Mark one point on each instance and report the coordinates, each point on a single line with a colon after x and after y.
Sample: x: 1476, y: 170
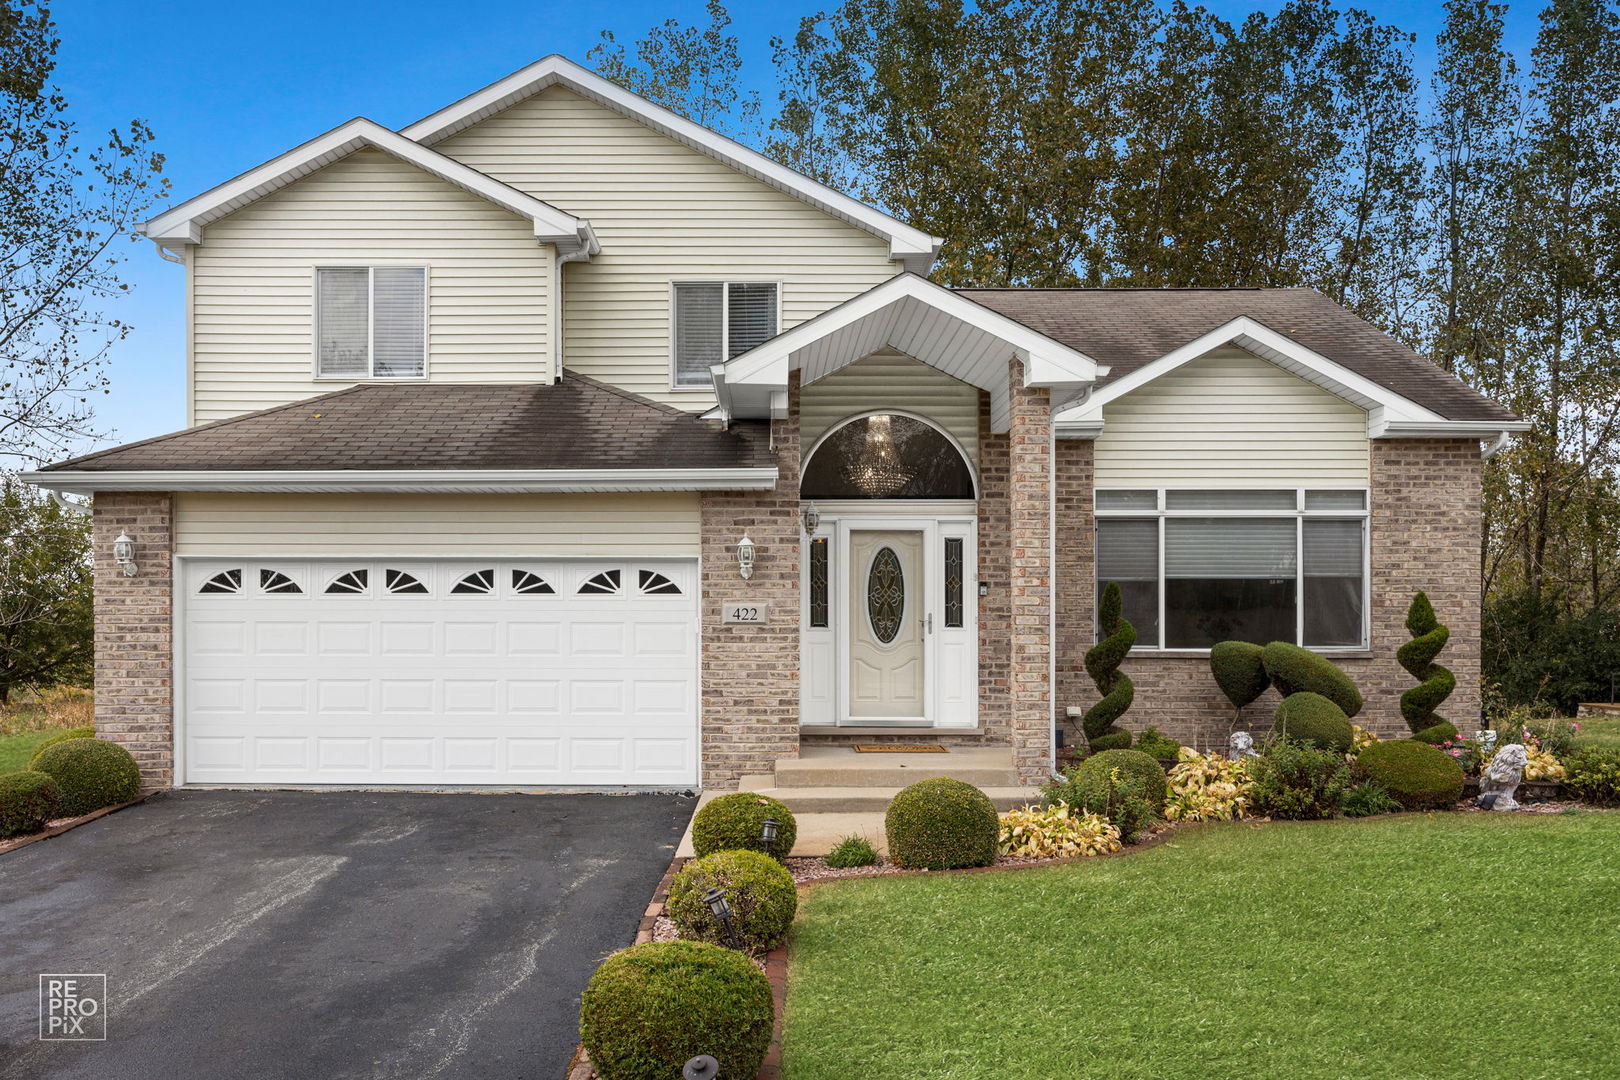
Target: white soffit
x: 185, y: 224
x: 913, y: 248
x: 940, y: 328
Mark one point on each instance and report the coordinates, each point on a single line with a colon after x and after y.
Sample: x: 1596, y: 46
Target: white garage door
x: 453, y: 672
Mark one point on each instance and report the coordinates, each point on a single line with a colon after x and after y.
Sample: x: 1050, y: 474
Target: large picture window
x: 1199, y: 567
x: 370, y: 322
x: 715, y: 321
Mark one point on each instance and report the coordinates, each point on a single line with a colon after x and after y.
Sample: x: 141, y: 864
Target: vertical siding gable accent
x: 892, y: 380
x: 252, y: 280
x: 663, y: 211
x: 1231, y: 419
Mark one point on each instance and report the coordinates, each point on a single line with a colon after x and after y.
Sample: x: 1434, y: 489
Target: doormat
x: 900, y: 748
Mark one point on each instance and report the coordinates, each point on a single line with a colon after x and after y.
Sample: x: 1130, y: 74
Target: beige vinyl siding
x: 252, y: 282
x: 890, y: 380
x: 1231, y: 419
x: 663, y: 212
x: 645, y: 525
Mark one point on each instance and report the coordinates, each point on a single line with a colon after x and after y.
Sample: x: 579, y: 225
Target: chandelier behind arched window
x: 886, y: 456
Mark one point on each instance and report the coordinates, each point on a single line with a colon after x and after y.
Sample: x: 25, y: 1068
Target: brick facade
x: 134, y: 631
x: 1425, y: 534
x: 750, y: 701
x: 1029, y: 575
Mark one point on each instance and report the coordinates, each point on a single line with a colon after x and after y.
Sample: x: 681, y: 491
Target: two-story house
x: 555, y: 440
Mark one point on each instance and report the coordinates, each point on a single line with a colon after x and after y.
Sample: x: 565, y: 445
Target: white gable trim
x: 185, y: 224
x: 83, y: 482
x: 1389, y: 414
x: 938, y: 327
x: 914, y: 248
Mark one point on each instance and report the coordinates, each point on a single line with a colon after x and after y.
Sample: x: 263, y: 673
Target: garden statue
x: 1241, y: 745
x: 1502, y: 777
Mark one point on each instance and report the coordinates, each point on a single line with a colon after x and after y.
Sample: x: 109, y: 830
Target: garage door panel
x: 441, y: 686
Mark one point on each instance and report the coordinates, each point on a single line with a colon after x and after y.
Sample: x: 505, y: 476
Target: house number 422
x: 745, y: 613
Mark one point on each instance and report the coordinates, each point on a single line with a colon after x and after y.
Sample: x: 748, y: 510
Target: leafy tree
x: 688, y: 69
x: 46, y: 618
x: 63, y: 210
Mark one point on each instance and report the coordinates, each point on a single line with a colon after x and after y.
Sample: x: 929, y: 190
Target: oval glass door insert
x: 885, y: 595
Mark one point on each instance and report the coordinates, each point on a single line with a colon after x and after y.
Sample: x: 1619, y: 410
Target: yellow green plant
x: 1362, y: 738
x: 1539, y: 766
x: 1053, y: 832
x: 1205, y: 787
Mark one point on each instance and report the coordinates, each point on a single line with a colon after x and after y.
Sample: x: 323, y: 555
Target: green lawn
x: 1599, y: 733
x: 15, y: 750
x: 1476, y: 947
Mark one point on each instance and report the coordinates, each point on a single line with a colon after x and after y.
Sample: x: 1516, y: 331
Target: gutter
x: 85, y: 482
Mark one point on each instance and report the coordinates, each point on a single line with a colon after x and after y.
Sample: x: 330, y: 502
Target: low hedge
x: 734, y: 823
x: 1313, y: 719
x: 1593, y: 774
x: 27, y: 801
x: 91, y: 773
x: 1294, y: 670
x: 1416, y: 775
x: 652, y: 1008
x: 1132, y: 763
x: 758, y: 888
x: 942, y: 824
x: 60, y: 737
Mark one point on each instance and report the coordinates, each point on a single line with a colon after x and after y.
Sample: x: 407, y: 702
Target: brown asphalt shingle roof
x: 578, y: 423
x: 1127, y: 328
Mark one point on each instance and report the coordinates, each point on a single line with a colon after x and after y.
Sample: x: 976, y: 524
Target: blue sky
x: 226, y: 87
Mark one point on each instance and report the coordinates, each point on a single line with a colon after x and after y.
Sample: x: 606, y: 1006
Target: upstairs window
x: 371, y: 322
x: 715, y: 321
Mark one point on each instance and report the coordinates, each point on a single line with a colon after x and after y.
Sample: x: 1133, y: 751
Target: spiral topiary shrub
x: 27, y: 801
x: 1239, y: 668
x: 1417, y: 776
x: 1100, y: 723
x: 1435, y: 683
x: 91, y: 773
x: 1294, y: 670
x: 61, y: 737
x: 735, y: 822
x: 652, y: 1008
x: 941, y: 824
x: 758, y: 888
x: 1314, y: 720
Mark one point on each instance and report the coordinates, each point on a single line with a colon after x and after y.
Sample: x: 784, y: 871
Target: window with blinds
x: 715, y: 321
x: 371, y: 322
x: 1258, y: 566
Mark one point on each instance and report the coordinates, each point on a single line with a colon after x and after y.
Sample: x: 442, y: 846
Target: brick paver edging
x: 68, y: 823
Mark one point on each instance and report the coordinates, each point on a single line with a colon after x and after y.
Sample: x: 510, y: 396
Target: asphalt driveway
x: 328, y: 934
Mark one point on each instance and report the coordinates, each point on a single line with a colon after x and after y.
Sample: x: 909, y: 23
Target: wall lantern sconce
x: 745, y: 557
x: 812, y: 518
x: 124, y: 554
x: 984, y: 588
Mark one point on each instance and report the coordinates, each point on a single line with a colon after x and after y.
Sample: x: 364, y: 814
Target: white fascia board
x: 1449, y: 429
x: 408, y: 480
x: 1047, y: 362
x: 912, y: 247
x: 184, y: 224
x: 1384, y: 406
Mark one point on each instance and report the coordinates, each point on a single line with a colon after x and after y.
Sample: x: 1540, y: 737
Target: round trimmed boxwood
x: 1130, y: 763
x: 1311, y: 718
x: 652, y: 1008
x: 91, y: 773
x: 1293, y: 669
x: 1416, y: 774
x: 734, y: 823
x: 27, y: 801
x: 59, y: 737
x: 942, y: 824
x: 759, y: 889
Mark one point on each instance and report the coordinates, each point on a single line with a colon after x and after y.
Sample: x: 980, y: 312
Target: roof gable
x: 914, y: 248
x: 186, y: 223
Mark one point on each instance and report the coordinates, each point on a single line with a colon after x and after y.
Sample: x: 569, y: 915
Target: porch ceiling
x: 937, y: 327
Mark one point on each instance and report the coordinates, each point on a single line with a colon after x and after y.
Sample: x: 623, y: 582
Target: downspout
x: 67, y: 504
x: 1495, y: 445
x: 587, y: 248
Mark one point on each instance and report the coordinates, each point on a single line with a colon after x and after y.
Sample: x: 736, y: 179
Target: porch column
x: 1030, y: 479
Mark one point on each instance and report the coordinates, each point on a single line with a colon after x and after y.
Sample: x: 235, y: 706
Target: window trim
x: 1299, y: 514
x: 675, y: 387
x: 371, y: 323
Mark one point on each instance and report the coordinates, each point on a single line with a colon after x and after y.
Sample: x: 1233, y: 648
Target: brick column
x: 995, y: 614
x: 1074, y: 568
x: 134, y: 631
x: 750, y: 705
x: 1029, y: 469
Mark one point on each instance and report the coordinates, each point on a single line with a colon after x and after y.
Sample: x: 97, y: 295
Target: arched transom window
x: 887, y: 456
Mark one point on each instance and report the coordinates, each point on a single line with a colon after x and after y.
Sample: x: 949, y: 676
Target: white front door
x: 889, y: 635
x: 887, y: 624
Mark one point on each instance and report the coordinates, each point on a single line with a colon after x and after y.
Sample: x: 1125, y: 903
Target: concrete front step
x: 842, y: 767
x: 866, y: 800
